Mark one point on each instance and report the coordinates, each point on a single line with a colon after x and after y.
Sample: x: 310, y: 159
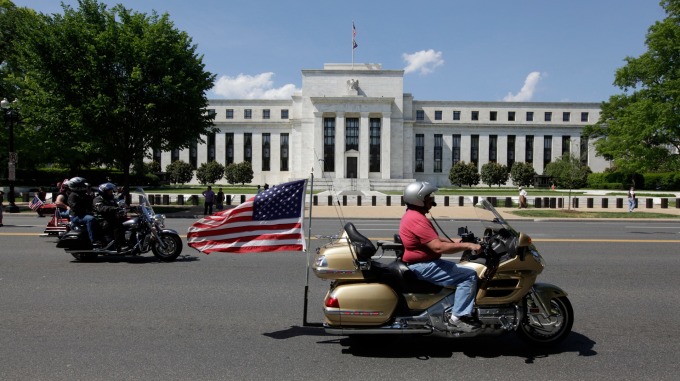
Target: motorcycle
x: 369, y: 297
x: 143, y: 232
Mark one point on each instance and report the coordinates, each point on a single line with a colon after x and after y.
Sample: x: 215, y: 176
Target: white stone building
x: 355, y: 125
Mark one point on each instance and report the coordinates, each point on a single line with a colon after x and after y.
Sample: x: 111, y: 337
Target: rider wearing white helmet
x: 423, y: 250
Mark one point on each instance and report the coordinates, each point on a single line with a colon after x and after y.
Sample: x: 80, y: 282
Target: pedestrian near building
x: 522, y: 198
x: 2, y: 207
x: 209, y: 201
x: 631, y: 199
x: 220, y: 199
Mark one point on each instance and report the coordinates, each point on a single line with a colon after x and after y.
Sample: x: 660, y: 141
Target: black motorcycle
x: 143, y: 231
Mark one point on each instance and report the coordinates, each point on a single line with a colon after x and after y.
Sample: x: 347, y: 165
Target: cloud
x: 527, y: 91
x: 259, y: 86
x: 424, y: 61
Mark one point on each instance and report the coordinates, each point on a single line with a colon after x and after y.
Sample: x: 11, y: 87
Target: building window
x: 511, y: 116
x: 566, y: 116
x: 229, y: 148
x: 266, y: 151
x: 248, y: 114
x: 284, y: 114
x: 211, y: 113
x: 547, y: 149
x: 157, y: 156
x: 420, y: 115
x: 493, y: 148
x: 456, y: 115
x: 530, y: 116
x: 351, y: 134
x: 474, y: 149
x: 584, y: 117
x: 529, y: 149
x: 174, y: 155
x: 438, y: 144
x: 193, y: 154
x: 266, y: 113
x: 583, y: 148
x: 248, y: 147
x: 511, y: 151
x: 374, y: 145
x: 211, y: 147
x: 230, y: 113
x: 566, y: 145
x: 420, y: 153
x: 455, y: 149
x: 284, y: 152
x: 329, y: 144
x: 548, y: 116
x: 493, y: 115
x: 437, y: 115
x: 475, y: 115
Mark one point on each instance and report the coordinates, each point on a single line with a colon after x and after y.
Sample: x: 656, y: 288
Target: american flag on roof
x: 270, y: 221
x: 35, y: 204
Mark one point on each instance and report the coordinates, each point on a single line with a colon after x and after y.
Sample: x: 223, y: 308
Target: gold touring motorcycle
x: 372, y: 297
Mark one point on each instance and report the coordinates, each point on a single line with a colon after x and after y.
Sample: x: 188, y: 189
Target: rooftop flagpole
x: 354, y: 42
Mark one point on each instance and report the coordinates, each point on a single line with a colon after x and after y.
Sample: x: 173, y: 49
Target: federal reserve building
x: 353, y: 126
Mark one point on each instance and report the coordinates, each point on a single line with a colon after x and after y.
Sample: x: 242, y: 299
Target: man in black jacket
x: 107, y: 207
x: 80, y: 207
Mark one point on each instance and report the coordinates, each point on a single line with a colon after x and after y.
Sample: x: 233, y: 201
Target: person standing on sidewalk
x: 209, y: 200
x: 522, y: 198
x: 220, y: 199
x: 2, y: 198
x: 631, y: 199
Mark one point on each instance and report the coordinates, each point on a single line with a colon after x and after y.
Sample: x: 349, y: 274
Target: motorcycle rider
x: 80, y: 206
x: 107, y: 207
x: 423, y: 250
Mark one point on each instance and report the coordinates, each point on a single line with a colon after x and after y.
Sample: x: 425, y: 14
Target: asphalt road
x: 239, y: 317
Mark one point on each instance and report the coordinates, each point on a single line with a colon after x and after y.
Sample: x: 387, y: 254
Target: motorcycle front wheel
x: 169, y: 247
x: 545, y: 332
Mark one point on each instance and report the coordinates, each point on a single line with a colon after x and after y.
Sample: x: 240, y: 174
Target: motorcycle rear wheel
x: 552, y: 332
x: 172, y: 250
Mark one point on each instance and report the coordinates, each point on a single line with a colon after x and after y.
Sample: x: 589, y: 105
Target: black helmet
x: 77, y: 184
x: 415, y: 193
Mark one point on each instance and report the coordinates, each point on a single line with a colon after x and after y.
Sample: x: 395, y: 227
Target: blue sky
x: 451, y: 50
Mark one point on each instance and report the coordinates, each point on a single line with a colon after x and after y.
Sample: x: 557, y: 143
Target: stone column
x: 363, y: 146
x: 339, y: 145
x: 385, y: 147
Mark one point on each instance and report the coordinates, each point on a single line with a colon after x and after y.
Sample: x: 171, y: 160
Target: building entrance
x: 351, y: 168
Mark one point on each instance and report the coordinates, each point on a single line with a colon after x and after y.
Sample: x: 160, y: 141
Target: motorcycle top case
x: 335, y: 261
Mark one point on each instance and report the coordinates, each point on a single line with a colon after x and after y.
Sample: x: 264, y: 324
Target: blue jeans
x: 90, y: 224
x: 631, y: 204
x: 448, y: 274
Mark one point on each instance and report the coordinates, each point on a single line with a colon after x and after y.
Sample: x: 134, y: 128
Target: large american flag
x: 269, y: 221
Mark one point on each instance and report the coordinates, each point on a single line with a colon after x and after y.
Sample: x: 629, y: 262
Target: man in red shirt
x: 423, y: 250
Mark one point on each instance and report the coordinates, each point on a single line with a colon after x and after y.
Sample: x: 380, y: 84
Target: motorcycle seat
x: 409, y: 282
x: 363, y: 247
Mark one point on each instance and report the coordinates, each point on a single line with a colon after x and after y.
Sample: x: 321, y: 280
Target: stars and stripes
x: 35, y: 204
x: 270, y: 221
x: 354, y: 35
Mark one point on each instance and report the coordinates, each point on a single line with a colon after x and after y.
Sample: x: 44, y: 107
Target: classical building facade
x: 354, y: 125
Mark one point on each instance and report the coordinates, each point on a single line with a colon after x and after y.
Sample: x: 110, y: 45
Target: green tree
x: 637, y: 128
x: 522, y: 174
x: 112, y: 84
x: 464, y: 174
x: 244, y: 172
x: 230, y: 173
x: 568, y: 173
x: 494, y: 173
x: 180, y: 172
x: 210, y: 172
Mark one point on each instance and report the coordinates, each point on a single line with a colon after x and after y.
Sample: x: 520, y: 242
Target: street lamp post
x: 10, y: 118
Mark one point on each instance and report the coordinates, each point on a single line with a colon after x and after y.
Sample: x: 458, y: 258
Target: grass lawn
x: 564, y: 213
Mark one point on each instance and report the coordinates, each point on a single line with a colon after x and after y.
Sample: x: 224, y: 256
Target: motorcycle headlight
x: 160, y: 219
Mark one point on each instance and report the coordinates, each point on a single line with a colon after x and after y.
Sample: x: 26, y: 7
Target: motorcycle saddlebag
x: 359, y: 304
x: 74, y: 240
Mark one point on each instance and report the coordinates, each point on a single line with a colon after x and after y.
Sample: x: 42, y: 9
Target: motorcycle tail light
x: 332, y: 302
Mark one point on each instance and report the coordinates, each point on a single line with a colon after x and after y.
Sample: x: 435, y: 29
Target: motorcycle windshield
x: 139, y: 197
x: 489, y: 216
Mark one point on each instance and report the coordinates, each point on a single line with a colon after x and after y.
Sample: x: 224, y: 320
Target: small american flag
x: 35, y: 204
x: 269, y: 221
